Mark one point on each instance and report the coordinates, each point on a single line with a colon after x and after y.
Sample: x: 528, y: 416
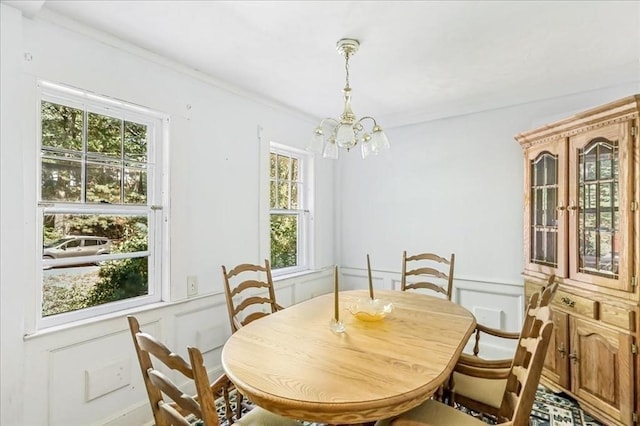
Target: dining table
x: 292, y: 363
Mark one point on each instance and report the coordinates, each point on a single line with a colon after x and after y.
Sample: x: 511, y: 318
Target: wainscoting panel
x: 92, y: 379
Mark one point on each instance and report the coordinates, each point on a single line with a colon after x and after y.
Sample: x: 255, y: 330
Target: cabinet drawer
x: 572, y: 303
x: 621, y: 316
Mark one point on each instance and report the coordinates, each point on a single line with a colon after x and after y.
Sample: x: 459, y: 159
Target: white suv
x: 76, y: 245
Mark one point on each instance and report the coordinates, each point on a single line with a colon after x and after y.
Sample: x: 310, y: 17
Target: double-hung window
x: 100, y: 216
x: 289, y: 194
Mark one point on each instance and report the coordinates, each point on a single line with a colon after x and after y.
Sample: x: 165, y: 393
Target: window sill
x: 297, y: 274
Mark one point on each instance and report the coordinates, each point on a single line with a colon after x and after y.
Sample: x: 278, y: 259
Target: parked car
x: 76, y: 245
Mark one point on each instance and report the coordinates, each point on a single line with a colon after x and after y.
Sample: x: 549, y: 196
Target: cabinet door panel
x: 556, y: 362
x: 600, y: 185
x: 545, y: 197
x: 602, y: 369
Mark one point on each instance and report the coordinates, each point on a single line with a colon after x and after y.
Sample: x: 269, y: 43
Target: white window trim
x: 306, y: 241
x: 157, y: 207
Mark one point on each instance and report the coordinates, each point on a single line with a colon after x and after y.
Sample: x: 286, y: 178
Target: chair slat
x: 247, y: 285
x: 183, y: 400
x: 245, y: 267
x: 428, y: 256
x: 427, y: 271
x: 174, y: 361
x: 251, y: 301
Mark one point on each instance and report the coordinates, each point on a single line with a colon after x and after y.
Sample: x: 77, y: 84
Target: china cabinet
x: 582, y: 223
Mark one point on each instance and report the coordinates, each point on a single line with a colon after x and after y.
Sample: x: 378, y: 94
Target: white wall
x: 215, y: 190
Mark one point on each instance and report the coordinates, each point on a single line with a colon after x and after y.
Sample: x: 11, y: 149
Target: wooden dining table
x: 292, y: 364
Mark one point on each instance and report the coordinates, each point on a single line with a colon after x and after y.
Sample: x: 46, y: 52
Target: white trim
x: 304, y: 212
x: 157, y: 192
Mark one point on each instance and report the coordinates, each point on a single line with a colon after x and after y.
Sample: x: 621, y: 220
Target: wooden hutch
x: 582, y: 223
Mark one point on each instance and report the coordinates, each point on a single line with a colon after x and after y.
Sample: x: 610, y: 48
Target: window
x: 289, y: 196
x: 99, y: 211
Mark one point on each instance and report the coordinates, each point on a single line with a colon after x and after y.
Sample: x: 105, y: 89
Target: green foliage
x: 126, y: 278
x: 284, y: 241
x: 57, y: 300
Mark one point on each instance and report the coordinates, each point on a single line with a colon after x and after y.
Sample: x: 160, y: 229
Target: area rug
x: 558, y: 410
x: 549, y: 409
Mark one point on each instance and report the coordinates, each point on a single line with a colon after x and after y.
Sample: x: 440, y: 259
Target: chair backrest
x: 158, y: 385
x: 526, y: 367
x: 424, y: 273
x: 203, y: 406
x: 539, y: 300
x: 244, y: 278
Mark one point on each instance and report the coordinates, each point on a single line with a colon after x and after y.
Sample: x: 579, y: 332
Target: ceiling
x: 418, y: 60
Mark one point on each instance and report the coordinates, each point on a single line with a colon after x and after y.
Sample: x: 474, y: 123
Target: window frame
x: 155, y: 209
x: 304, y: 210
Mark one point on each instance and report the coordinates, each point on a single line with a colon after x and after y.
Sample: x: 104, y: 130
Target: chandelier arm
x: 328, y: 119
x: 367, y: 117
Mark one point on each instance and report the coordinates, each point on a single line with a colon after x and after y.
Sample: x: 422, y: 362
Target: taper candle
x: 370, y: 280
x: 335, y: 294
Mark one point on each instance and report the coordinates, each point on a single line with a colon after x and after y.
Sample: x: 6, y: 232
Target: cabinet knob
x: 573, y: 357
x: 572, y: 208
x: 570, y: 303
x: 560, y: 209
x: 561, y: 350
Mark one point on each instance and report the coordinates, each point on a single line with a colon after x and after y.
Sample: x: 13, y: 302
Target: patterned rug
x: 549, y: 409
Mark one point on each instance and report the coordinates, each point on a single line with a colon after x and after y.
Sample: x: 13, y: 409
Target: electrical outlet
x: 192, y: 285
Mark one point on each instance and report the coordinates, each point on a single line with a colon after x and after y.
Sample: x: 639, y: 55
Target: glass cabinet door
x: 545, y: 235
x: 601, y: 173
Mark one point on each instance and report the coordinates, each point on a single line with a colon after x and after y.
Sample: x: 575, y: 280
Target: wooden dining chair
x: 427, y: 268
x: 476, y: 382
x: 518, y: 393
x: 184, y: 407
x: 242, y: 283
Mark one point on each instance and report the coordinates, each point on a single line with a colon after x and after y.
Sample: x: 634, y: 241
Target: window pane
x: 115, y: 233
x: 135, y: 186
x: 272, y: 167
x: 294, y: 169
x: 283, y: 195
x: 104, y: 135
x: 294, y: 196
x: 550, y: 210
x: 61, y: 126
x: 61, y: 180
x: 103, y: 184
x: 78, y: 283
x: 283, y: 167
x: 284, y: 240
x: 135, y: 141
x: 606, y: 157
x: 273, y: 194
x: 72, y: 288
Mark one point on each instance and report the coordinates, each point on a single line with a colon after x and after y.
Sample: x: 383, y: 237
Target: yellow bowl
x: 370, y: 310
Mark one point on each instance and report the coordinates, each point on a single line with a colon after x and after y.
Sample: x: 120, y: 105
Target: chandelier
x: 347, y: 132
